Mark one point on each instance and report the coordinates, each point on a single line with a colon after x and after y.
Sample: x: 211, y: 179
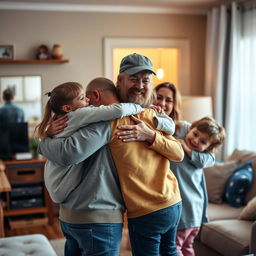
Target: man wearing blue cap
x: 149, y: 189
x: 134, y: 81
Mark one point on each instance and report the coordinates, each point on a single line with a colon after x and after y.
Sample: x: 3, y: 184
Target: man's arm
x: 87, y: 115
x: 168, y: 146
x: 78, y: 147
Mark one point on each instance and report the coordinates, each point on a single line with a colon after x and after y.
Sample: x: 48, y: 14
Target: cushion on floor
x: 36, y: 244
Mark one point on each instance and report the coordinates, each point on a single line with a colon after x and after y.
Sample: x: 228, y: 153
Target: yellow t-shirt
x: 146, y: 181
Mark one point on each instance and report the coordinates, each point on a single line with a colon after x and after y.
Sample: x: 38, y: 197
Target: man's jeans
x: 154, y: 234
x: 92, y: 239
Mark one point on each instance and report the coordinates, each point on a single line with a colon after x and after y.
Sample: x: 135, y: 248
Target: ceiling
x: 150, y: 6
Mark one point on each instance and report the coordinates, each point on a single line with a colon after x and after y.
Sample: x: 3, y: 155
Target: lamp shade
x: 195, y: 107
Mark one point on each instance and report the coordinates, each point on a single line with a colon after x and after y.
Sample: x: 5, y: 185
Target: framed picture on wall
x: 6, y: 52
x: 16, y: 84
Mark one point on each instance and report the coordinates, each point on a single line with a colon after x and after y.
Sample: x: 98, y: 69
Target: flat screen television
x: 13, y: 139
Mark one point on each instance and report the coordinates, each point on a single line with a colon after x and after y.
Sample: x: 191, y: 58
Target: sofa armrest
x: 253, y: 238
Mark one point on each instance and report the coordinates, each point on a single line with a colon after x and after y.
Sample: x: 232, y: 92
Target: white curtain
x: 230, y: 57
x: 247, y: 82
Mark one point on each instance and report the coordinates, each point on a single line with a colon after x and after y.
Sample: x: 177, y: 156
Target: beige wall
x: 81, y: 35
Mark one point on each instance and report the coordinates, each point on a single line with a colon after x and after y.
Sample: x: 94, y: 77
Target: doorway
x: 170, y: 55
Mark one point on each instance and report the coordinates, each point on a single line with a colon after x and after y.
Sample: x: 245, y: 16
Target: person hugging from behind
x: 69, y: 99
x: 199, y: 141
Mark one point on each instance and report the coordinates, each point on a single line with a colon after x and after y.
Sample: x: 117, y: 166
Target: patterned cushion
x: 238, y: 184
x: 216, y: 178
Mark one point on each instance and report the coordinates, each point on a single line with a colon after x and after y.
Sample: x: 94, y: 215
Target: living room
x: 82, y: 31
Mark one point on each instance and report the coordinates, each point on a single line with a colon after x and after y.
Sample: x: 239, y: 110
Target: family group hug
x: 116, y: 150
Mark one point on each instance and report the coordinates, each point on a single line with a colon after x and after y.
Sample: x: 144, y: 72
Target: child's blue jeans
x: 92, y: 239
x: 154, y: 234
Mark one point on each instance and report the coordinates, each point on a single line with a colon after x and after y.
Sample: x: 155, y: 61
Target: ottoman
x: 36, y: 244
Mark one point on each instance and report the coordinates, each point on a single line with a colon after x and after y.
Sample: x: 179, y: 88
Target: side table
x: 4, y: 187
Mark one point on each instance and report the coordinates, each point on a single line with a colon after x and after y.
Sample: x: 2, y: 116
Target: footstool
x: 36, y: 244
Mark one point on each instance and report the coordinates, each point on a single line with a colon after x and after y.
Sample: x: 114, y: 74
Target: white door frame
x: 183, y: 45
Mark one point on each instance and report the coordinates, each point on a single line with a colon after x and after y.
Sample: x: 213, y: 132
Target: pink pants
x: 185, y: 239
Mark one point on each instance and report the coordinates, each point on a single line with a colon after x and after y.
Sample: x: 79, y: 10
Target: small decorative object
x: 6, y: 52
x: 42, y: 52
x: 57, y: 51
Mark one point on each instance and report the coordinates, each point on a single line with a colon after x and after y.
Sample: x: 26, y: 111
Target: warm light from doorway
x: 169, y: 62
x: 160, y: 73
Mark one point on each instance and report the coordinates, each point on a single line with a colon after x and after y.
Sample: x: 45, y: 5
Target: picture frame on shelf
x: 6, y: 52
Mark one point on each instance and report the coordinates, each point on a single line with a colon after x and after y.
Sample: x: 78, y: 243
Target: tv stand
x: 28, y: 195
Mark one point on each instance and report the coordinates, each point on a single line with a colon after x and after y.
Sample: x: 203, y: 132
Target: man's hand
x: 56, y: 125
x: 138, y: 132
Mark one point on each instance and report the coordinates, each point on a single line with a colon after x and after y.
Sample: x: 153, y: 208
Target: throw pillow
x: 216, y: 178
x: 238, y: 184
x: 249, y: 211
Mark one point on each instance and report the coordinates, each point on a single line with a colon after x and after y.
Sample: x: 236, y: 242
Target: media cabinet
x: 28, y: 196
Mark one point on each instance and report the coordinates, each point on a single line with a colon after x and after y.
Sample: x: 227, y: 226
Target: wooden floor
x: 51, y: 232
x: 54, y: 232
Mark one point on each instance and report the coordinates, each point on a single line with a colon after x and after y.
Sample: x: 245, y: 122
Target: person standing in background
x: 9, y: 112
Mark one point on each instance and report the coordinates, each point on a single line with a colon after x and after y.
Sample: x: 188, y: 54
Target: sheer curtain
x: 247, y: 82
x: 230, y: 80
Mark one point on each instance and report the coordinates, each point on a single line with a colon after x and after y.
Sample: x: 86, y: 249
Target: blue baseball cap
x: 135, y: 63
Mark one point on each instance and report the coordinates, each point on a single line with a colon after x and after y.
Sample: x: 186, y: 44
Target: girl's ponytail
x: 40, y: 130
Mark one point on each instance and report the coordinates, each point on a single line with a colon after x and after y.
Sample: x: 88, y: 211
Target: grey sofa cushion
x: 223, y: 211
x: 227, y: 237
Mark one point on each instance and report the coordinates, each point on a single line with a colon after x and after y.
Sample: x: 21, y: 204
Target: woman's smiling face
x: 165, y: 100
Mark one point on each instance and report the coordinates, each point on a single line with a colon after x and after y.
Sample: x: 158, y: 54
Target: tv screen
x: 13, y: 139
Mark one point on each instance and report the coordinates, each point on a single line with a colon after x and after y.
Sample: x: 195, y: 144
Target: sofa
x: 231, y: 231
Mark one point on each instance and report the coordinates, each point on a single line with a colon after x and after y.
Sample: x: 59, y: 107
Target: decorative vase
x: 57, y: 51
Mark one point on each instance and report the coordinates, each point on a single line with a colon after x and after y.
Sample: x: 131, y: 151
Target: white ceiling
x: 146, y: 6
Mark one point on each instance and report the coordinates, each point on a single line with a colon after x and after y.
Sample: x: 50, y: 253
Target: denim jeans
x: 154, y: 234
x: 101, y: 239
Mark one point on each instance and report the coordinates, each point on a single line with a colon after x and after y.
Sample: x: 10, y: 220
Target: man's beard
x: 137, y: 96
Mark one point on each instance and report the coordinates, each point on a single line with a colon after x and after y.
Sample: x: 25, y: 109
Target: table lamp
x: 195, y: 107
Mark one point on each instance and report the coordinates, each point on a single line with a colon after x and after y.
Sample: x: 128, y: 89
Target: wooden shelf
x: 51, y: 61
x: 25, y: 211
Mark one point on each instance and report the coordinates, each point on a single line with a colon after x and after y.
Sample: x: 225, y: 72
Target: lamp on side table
x: 4, y: 187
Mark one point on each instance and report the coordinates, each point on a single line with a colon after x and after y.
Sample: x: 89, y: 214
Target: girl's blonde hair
x: 61, y: 95
x: 210, y: 127
x: 175, y: 114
